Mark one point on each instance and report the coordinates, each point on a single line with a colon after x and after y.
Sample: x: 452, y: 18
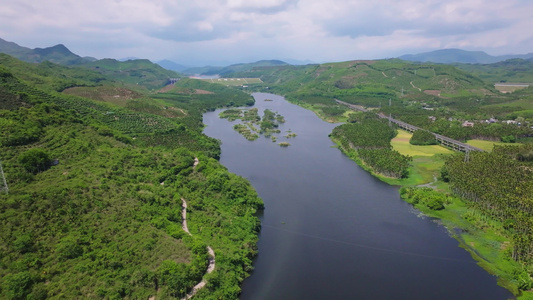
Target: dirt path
x: 414, y: 87
x: 211, y: 265
x: 211, y: 259
x: 431, y: 184
x: 384, y: 75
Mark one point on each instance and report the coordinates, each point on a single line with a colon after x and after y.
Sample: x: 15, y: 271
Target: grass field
x: 234, y: 81
x: 401, y: 144
x: 426, y: 164
x: 487, y: 145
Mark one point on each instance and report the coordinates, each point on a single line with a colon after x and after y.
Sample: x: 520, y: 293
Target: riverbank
x: 484, y: 238
x: 481, y: 236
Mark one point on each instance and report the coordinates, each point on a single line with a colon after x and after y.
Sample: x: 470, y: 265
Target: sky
x: 222, y: 32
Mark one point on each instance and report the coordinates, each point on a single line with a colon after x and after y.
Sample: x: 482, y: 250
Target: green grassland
x: 426, y: 164
x: 486, y: 145
x: 401, y: 144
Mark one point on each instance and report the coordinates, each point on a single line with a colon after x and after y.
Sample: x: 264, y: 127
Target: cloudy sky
x: 199, y: 32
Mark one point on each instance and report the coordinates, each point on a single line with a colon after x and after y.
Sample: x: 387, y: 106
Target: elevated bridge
x: 443, y: 140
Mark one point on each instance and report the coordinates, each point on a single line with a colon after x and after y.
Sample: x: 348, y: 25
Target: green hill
x: 451, y: 56
x: 210, y: 70
x: 369, y: 82
x: 513, y: 70
x: 94, y: 204
x: 58, y: 54
x: 138, y: 72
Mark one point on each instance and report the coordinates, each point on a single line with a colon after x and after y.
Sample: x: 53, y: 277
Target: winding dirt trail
x: 414, y: 87
x: 430, y: 184
x: 211, y: 259
x: 211, y: 265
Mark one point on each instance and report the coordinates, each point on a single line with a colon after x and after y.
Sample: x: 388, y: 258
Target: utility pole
x: 4, y: 187
x: 390, y: 113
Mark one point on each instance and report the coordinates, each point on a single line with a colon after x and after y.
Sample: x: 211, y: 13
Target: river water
x: 332, y: 231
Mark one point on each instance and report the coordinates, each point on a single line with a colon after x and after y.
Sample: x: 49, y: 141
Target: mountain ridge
x: 450, y: 56
x: 58, y: 54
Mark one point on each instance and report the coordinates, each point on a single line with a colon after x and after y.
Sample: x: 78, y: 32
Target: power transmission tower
x: 467, y: 155
x: 3, y: 179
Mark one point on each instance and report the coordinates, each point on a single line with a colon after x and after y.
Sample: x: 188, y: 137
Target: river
x: 330, y: 230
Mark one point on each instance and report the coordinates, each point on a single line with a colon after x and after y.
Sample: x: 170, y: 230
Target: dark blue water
x: 332, y: 231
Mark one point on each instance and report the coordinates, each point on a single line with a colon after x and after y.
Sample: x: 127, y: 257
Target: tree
x: 35, y: 160
x: 423, y: 137
x: 17, y: 286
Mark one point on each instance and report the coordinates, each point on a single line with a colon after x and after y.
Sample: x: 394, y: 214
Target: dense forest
x: 499, y: 183
x: 370, y: 138
x: 94, y: 202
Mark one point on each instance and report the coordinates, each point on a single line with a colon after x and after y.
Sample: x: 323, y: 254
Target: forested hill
x: 140, y: 72
x: 95, y: 179
x: 210, y: 70
x: 57, y: 54
x: 369, y: 82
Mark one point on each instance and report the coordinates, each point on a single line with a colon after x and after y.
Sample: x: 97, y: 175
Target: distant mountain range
x: 210, y: 70
x: 170, y: 65
x: 58, y: 54
x: 450, y: 56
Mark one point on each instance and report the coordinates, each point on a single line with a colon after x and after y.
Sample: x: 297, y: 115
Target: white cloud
x: 257, y: 29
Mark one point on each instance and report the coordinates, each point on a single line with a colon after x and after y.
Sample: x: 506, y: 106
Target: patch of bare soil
x: 202, y: 92
x: 432, y: 92
x: 166, y: 88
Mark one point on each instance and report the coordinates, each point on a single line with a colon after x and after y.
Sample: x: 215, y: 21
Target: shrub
x: 35, y: 160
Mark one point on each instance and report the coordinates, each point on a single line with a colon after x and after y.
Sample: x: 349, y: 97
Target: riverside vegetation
x: 95, y: 187
x: 488, y: 195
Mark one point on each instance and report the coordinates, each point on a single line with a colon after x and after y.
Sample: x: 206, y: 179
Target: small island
x: 252, y: 125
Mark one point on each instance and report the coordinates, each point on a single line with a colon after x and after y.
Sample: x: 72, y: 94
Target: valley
x: 98, y: 155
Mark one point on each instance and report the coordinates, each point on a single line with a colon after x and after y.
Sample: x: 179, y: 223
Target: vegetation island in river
x: 252, y: 125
